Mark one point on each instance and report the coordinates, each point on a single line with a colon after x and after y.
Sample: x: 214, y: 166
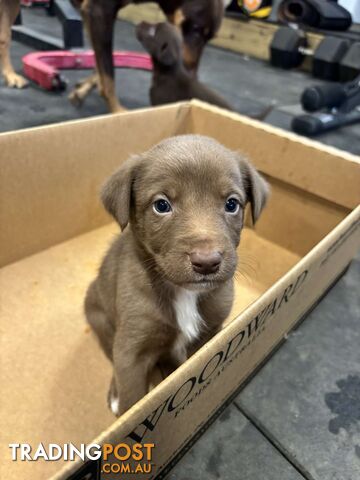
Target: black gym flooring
x: 299, y: 416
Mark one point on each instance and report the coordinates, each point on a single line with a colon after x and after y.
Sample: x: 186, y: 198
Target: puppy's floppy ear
x: 117, y: 191
x: 256, y: 188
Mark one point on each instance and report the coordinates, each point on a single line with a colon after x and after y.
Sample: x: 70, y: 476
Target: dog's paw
x: 14, y: 80
x: 113, y: 399
x: 115, y: 405
x: 82, y: 90
x: 75, y: 98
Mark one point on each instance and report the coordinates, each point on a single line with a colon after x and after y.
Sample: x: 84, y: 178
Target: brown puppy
x: 165, y: 286
x: 9, y: 10
x: 199, y: 20
x: 171, y: 81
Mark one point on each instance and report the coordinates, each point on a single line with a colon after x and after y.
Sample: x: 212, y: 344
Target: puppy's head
x: 185, y: 201
x: 162, y: 41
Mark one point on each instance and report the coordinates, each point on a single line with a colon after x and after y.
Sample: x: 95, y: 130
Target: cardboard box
x: 54, y: 232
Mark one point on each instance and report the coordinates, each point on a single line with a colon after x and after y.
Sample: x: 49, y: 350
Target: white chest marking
x: 187, y: 313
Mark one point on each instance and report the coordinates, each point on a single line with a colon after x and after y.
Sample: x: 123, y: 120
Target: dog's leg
x: 9, y: 10
x: 98, y: 321
x: 85, y: 86
x: 99, y: 18
x: 82, y: 89
x: 131, y: 372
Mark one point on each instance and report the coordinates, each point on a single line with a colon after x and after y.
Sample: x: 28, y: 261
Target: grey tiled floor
x: 233, y: 448
x: 299, y: 417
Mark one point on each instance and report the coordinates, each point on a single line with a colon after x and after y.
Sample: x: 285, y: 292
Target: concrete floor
x: 299, y: 417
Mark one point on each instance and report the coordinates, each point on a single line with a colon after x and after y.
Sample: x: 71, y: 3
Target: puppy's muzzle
x: 205, y: 262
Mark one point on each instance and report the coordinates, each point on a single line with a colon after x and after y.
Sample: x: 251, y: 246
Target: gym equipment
x: 325, y: 14
x: 349, y: 67
x: 341, y: 105
x: 326, y: 96
x: 289, y: 48
x: 43, y: 67
x: 328, y: 56
x: 71, y: 25
x: 251, y: 8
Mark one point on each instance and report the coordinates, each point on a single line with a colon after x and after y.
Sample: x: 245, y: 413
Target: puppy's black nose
x: 205, y: 262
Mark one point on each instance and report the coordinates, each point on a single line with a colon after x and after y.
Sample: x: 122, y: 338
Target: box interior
x: 54, y: 375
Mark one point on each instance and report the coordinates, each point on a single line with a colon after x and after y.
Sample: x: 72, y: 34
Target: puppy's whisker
x: 248, y: 270
x: 240, y: 275
x: 248, y: 267
x: 245, y: 268
x: 247, y: 257
x: 149, y: 262
x: 248, y: 264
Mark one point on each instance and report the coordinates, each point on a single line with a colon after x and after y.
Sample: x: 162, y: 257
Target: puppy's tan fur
x: 148, y: 305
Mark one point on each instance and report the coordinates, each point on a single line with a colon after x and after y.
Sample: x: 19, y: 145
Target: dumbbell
x: 349, y: 66
x: 319, y: 14
x: 333, y: 105
x: 289, y: 48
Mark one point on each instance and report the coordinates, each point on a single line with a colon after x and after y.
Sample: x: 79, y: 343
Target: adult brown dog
x: 166, y: 284
x: 171, y: 80
x: 9, y: 10
x: 199, y: 21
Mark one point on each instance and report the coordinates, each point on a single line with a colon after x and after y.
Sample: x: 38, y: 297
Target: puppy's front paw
x: 14, y: 80
x: 113, y: 399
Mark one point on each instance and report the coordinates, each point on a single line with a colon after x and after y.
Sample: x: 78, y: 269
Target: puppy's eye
x: 232, y: 205
x: 161, y: 206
